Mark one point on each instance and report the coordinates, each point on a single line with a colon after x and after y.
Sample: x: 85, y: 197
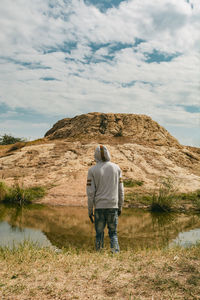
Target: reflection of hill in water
x: 69, y: 226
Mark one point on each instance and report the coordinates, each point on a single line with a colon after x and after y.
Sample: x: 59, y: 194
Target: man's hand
x: 91, y: 215
x: 119, y: 211
x: 91, y: 218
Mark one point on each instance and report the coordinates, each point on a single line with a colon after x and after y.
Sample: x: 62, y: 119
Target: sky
x: 62, y: 58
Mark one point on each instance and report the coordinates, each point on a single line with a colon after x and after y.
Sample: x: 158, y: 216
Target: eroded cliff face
x: 145, y: 151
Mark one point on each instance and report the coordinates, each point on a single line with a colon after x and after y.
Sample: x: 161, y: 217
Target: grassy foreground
x: 42, y: 273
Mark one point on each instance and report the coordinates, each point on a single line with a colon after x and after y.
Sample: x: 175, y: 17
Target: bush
x: 132, y: 182
x: 9, y: 139
x: 165, y: 198
x: 19, y: 195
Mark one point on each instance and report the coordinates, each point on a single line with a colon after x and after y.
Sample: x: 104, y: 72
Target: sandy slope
x: 62, y: 165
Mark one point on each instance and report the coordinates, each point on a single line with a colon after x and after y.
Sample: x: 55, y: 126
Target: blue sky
x: 61, y: 58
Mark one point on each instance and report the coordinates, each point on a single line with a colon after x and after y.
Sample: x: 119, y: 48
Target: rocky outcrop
x: 131, y: 127
x: 144, y: 150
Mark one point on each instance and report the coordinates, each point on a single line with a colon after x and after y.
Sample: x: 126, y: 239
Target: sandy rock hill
x: 143, y: 149
x: 131, y: 127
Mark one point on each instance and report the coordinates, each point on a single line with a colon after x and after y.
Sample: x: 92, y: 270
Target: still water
x: 70, y: 227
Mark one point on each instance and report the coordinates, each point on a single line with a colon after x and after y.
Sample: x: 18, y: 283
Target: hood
x: 101, y: 154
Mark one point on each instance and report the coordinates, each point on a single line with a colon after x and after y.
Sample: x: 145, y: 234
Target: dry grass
x: 4, y: 149
x: 7, y: 150
x: 38, y: 142
x: 17, y: 146
x: 34, y: 273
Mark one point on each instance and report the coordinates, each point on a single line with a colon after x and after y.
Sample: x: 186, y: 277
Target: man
x: 105, y: 193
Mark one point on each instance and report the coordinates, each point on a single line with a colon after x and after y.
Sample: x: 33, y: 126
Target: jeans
x: 107, y: 216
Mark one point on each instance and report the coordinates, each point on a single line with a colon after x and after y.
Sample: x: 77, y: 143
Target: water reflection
x: 11, y: 236
x: 187, y: 239
x: 70, y: 227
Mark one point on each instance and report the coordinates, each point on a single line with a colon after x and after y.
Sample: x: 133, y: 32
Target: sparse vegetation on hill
x: 17, y: 194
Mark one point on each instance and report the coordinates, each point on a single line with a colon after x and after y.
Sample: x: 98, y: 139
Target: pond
x: 62, y: 226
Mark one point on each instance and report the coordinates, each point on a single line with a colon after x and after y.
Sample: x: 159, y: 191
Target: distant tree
x: 9, y: 139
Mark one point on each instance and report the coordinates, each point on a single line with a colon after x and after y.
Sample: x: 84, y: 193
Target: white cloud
x: 87, y: 81
x: 8, y: 114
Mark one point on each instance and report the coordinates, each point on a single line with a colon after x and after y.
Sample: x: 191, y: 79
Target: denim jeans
x: 107, y: 216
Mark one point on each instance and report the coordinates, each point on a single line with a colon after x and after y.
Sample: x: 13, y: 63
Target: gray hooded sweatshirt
x: 104, y: 182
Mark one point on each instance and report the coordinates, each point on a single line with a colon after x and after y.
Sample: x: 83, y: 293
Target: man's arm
x: 121, y: 193
x: 90, y: 192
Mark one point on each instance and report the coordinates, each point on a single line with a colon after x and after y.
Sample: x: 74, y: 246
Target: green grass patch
x: 18, y: 194
x: 132, y: 182
x: 3, y: 190
x: 192, y: 197
x: 162, y: 201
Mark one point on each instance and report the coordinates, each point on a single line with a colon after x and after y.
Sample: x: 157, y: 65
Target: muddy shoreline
x: 187, y: 208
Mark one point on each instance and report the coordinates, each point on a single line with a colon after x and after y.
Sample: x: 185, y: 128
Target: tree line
x: 7, y: 139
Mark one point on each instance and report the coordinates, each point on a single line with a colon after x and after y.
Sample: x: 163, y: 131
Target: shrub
x: 162, y: 202
x: 16, y: 194
x: 35, y: 192
x: 19, y: 195
x: 164, y: 199
x: 9, y: 139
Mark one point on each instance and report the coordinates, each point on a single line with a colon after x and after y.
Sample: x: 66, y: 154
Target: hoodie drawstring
x: 102, y: 153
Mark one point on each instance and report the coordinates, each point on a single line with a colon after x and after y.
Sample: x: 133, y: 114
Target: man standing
x: 105, y: 193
